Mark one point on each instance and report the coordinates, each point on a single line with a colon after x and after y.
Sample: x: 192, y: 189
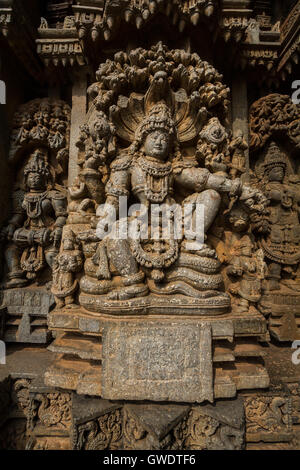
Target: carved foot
x: 71, y: 306
x: 60, y: 303
x: 204, y: 251
x: 16, y: 283
x: 241, y: 306
x: 70, y: 302
x: 130, y: 292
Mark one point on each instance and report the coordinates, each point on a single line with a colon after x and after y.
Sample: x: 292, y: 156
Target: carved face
x: 35, y: 180
x: 157, y: 144
x: 239, y: 219
x: 276, y: 174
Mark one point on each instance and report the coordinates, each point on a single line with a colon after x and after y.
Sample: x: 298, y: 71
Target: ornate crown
x: 37, y: 164
x: 159, y: 118
x: 274, y: 158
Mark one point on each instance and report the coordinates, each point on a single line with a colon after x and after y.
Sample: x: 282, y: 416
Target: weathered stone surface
x: 154, y: 125
x: 72, y: 374
x: 26, y: 315
x: 158, y: 420
x: 85, y: 348
x: 30, y: 301
x: 159, y: 362
x: 106, y: 425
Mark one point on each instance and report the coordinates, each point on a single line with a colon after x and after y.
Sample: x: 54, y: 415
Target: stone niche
x: 38, y: 211
x: 145, y: 318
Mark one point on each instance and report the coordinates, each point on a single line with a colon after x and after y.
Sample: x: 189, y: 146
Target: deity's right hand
x: 7, y: 233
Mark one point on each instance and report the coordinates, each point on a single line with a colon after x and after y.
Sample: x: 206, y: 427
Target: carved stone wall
x: 162, y: 332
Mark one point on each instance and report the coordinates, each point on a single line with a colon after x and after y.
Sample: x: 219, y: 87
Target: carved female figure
x: 68, y: 262
x: 247, y: 267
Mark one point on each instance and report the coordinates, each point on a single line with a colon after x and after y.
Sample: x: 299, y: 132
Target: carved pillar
x: 79, y: 103
x: 240, y: 112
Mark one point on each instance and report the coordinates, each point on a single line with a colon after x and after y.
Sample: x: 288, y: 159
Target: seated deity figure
x: 34, y: 231
x: 154, y: 171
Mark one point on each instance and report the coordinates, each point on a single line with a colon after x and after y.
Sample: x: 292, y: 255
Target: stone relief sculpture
x: 178, y: 107
x: 35, y: 228
x: 247, y: 268
x: 238, y: 161
x: 156, y: 145
x: 282, y: 236
x: 133, y: 428
x: 165, y: 273
x: 274, y: 123
x: 66, y: 263
x: 33, y: 232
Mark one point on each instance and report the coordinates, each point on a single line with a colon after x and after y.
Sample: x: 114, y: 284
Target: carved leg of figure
x: 274, y: 276
x: 125, y: 264
x: 210, y: 200
x: 242, y: 306
x: 60, y: 303
x: 15, y: 273
x: 69, y: 300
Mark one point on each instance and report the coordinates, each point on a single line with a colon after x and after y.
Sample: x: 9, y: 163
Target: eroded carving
x: 204, y: 432
x: 266, y: 415
x: 50, y: 410
x: 67, y: 263
x: 275, y: 136
x: 161, y: 166
x: 102, y: 434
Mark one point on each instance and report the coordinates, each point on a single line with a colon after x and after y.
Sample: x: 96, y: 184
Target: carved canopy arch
x: 274, y: 116
x: 42, y: 123
x: 130, y: 85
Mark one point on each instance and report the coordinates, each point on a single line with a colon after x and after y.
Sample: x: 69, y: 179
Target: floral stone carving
x: 157, y: 138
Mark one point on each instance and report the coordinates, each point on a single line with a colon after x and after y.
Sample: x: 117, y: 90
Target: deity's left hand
x: 56, y: 236
x: 253, y: 198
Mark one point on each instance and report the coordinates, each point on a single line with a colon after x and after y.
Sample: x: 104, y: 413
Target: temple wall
x: 121, y: 342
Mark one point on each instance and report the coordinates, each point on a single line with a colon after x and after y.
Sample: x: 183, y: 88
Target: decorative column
x: 79, y: 104
x: 240, y: 112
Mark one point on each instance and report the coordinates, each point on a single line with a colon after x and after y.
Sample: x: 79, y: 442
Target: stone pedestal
x: 166, y: 358
x: 159, y: 361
